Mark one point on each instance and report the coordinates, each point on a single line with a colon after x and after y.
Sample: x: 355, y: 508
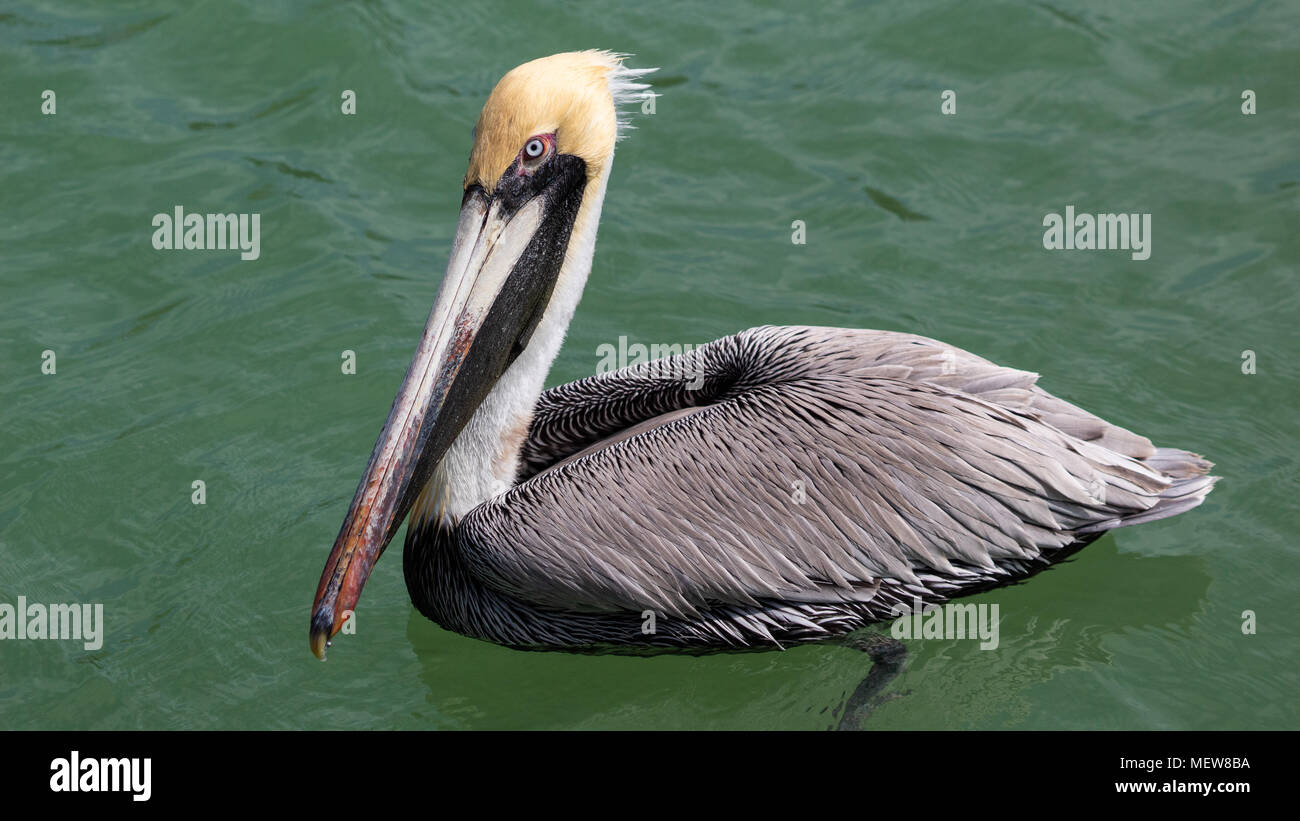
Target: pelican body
x: 780, y: 486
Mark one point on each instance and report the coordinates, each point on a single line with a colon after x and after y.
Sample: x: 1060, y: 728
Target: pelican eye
x: 534, y: 148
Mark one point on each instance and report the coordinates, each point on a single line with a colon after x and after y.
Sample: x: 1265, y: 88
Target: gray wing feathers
x: 822, y: 463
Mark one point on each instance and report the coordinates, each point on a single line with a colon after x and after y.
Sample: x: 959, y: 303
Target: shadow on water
x: 1066, y: 620
x: 1058, y: 621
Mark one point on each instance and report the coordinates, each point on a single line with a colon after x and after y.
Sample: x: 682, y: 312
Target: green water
x: 178, y: 366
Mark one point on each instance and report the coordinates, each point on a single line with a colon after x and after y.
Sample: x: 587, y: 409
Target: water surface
x: 177, y: 366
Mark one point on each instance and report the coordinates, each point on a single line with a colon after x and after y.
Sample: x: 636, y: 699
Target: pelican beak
x: 505, y: 259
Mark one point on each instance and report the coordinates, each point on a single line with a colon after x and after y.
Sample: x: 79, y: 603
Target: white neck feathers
x: 483, y: 460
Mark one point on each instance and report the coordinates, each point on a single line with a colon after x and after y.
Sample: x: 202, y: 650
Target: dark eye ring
x: 534, y: 148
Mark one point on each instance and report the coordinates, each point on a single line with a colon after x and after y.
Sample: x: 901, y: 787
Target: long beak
x: 505, y: 259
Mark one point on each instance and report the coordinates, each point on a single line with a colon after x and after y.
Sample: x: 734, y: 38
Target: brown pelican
x: 780, y: 486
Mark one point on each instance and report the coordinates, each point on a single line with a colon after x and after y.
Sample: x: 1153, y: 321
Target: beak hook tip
x: 321, y: 630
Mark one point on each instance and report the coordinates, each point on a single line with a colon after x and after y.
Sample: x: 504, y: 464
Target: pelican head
x: 531, y: 202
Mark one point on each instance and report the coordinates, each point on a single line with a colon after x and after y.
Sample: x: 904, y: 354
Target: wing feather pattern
x: 817, y: 466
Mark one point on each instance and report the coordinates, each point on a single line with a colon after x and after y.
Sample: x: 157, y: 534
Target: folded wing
x: 817, y: 465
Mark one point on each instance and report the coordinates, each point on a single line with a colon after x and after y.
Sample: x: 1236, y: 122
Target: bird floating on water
x: 557, y: 519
